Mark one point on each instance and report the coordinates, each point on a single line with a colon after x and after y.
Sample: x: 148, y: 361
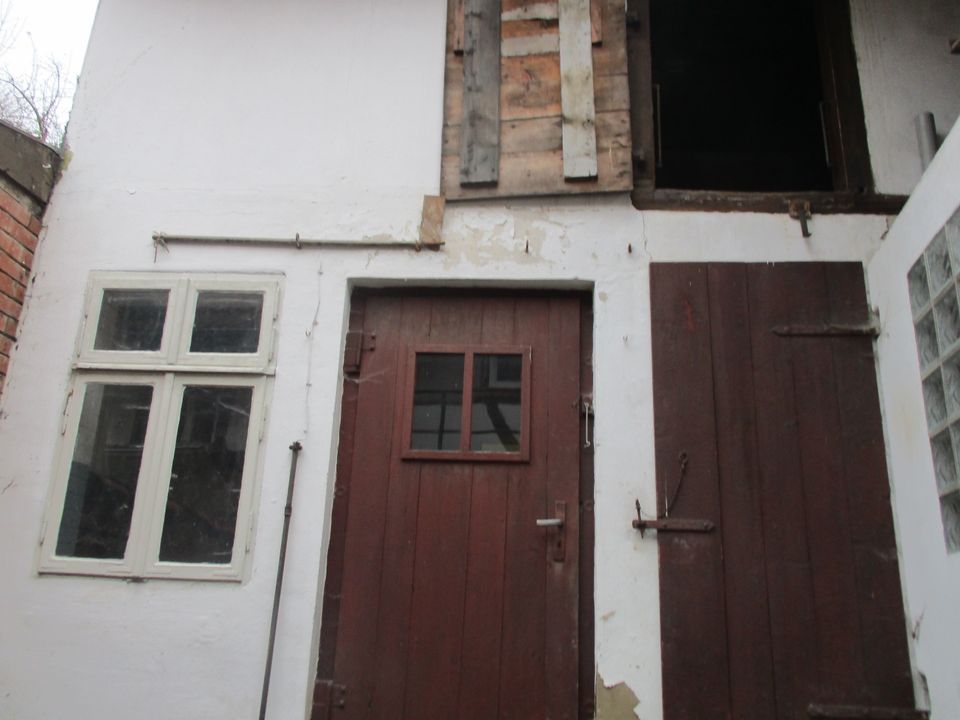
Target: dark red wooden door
x: 443, y: 597
x: 764, y: 381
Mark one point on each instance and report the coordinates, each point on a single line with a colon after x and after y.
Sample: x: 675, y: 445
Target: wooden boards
x: 480, y: 127
x: 576, y: 91
x: 794, y: 600
x: 531, y: 142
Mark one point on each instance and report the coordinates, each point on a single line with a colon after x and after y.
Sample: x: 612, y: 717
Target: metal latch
x: 800, y: 210
x: 677, y: 525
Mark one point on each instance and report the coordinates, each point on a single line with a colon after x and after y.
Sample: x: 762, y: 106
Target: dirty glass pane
x: 201, y: 512
x: 927, y: 348
x: 104, y: 471
x: 948, y: 319
x: 934, y: 400
x: 951, y: 383
x: 495, y: 421
x: 938, y: 262
x: 437, y: 402
x: 227, y: 322
x: 943, y: 461
x: 131, y: 320
x: 917, y: 282
x: 950, y: 512
x: 952, y: 231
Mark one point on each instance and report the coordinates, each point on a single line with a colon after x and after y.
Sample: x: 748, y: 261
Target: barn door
x: 454, y: 564
x: 768, y: 425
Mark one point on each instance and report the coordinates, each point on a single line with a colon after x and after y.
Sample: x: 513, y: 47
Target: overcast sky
x: 57, y: 28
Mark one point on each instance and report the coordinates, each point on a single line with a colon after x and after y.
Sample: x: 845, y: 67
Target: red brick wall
x: 18, y: 241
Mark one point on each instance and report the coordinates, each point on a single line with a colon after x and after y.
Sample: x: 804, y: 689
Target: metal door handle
x: 560, y: 536
x: 549, y: 522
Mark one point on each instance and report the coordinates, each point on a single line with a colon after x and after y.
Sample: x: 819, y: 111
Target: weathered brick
x: 13, y: 269
x: 15, y: 250
x: 35, y: 225
x: 19, y: 213
x: 18, y: 231
x: 10, y: 306
x: 4, y: 364
x: 6, y: 346
x: 11, y: 288
x: 8, y: 326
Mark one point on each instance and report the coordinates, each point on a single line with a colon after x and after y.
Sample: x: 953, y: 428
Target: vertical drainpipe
x: 926, y: 138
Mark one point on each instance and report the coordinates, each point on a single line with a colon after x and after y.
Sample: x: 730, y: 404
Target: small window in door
x: 468, y: 403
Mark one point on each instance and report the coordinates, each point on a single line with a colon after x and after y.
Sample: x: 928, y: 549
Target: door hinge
x: 863, y: 712
x: 327, y: 697
x: 357, y: 342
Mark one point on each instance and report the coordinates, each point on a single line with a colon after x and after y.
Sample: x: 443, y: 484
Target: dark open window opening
x: 750, y: 98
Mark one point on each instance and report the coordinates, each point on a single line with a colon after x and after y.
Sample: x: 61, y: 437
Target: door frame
x: 328, y: 612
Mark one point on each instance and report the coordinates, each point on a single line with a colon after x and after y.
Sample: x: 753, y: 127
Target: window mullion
x: 149, y: 504
x: 466, y: 408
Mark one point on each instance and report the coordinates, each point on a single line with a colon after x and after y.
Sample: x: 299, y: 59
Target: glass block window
x: 934, y: 284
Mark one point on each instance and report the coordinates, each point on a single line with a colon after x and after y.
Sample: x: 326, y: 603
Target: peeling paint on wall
x: 616, y: 702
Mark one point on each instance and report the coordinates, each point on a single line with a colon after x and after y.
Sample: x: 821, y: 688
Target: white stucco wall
x: 185, y: 124
x: 906, y: 68
x: 932, y: 577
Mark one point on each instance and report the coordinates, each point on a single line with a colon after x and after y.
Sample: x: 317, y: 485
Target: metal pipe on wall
x: 295, y: 449
x: 926, y: 138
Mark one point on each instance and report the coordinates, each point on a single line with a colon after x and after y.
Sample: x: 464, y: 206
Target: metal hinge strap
x: 357, y: 343
x: 863, y: 712
x: 327, y: 697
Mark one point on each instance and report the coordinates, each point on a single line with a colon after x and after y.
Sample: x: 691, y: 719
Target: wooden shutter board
x: 576, y: 91
x: 480, y: 127
x: 530, y: 90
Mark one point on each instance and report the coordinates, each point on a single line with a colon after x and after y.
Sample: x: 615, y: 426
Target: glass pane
x: 917, y: 282
x: 944, y: 465
x: 104, y: 471
x: 938, y: 262
x: 495, y: 422
x: 227, y: 322
x: 934, y: 400
x: 947, y: 315
x: 437, y: 401
x: 131, y: 320
x: 927, y: 348
x: 950, y: 512
x: 201, y: 513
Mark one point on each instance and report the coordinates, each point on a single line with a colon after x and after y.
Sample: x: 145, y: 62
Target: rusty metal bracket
x: 677, y: 525
x: 356, y: 343
x: 327, y: 697
x: 801, y: 211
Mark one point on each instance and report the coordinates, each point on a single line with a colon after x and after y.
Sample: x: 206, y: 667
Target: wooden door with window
x: 768, y: 426
x: 457, y: 545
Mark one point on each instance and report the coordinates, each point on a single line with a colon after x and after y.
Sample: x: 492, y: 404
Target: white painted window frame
x: 169, y: 371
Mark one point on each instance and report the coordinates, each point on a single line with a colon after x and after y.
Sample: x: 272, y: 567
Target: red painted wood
x: 561, y: 653
x: 809, y: 586
x: 522, y: 659
x: 587, y: 524
x: 445, y: 605
x: 693, y: 623
x: 741, y: 528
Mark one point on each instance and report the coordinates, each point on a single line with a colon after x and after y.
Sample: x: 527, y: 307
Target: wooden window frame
x: 464, y: 453
x: 169, y: 370
x: 853, y: 191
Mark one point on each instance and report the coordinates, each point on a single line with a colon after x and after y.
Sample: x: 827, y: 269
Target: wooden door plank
x: 693, y: 624
x: 773, y: 293
x: 888, y: 680
x: 363, y: 550
x: 576, y: 91
x: 480, y: 132
x: 479, y: 692
x: 330, y: 618
x: 442, y: 544
x: 562, y: 479
x: 839, y: 672
x: 399, y: 538
x: 588, y: 699
x: 522, y: 659
x: 748, y: 638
